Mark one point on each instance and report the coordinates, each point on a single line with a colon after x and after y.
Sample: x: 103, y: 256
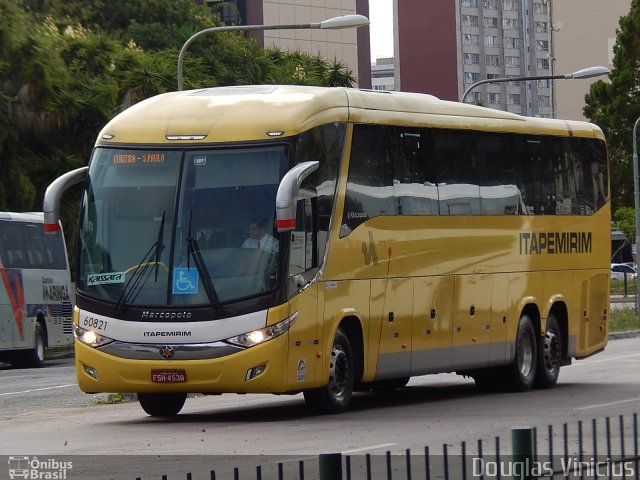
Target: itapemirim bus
x: 35, y: 290
x: 412, y: 236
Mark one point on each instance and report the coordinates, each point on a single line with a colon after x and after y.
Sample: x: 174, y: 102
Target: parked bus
x: 36, y: 291
x: 408, y: 236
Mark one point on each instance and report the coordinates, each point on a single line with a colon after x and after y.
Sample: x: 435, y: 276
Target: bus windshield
x: 184, y: 227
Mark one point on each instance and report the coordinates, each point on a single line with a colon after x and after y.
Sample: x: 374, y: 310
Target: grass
x: 623, y: 320
x: 113, y: 398
x: 618, y: 287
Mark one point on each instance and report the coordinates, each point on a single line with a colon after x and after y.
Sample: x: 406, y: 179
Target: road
x: 43, y: 413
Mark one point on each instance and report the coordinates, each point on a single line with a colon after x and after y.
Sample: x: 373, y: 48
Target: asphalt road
x: 42, y: 412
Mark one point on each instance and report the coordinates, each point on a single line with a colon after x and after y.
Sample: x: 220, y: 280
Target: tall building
x: 581, y: 41
x: 445, y: 47
x: 382, y: 74
x: 349, y: 46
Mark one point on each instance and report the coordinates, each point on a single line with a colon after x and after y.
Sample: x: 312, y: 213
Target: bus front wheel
x: 336, y: 395
x: 162, y: 404
x: 523, y: 368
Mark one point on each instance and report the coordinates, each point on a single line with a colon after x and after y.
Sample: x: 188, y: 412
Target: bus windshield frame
x: 187, y: 227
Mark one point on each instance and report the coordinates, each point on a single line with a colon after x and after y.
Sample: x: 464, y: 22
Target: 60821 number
x: 96, y: 323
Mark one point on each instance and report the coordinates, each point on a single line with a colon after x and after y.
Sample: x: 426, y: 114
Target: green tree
x: 615, y: 106
x: 624, y: 219
x: 69, y: 66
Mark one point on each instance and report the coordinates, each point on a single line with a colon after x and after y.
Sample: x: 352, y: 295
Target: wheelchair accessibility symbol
x: 185, y: 281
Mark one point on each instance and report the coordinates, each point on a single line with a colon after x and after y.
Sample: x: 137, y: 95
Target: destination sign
x: 138, y: 157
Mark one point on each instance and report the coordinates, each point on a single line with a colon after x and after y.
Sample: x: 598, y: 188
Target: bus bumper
x: 97, y: 371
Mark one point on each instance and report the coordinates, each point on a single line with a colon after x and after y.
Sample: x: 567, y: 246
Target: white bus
x: 35, y: 290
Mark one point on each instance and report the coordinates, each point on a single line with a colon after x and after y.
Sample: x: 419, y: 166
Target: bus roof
x: 244, y: 113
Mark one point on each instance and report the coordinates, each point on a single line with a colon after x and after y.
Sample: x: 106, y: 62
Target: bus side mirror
x: 51, y: 202
x: 287, y: 195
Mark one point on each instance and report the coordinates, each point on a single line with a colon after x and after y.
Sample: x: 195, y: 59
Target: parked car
x: 620, y: 270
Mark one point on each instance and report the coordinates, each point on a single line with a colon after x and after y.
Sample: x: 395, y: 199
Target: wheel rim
x: 39, y: 346
x: 551, y: 351
x: 525, y: 354
x: 339, y: 373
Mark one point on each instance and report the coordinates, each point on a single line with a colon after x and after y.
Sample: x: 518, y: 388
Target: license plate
x: 169, y: 376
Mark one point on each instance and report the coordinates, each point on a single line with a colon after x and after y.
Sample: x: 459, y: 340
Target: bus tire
x: 549, y: 355
x: 34, y: 357
x: 162, y: 404
x: 523, y: 368
x: 336, y: 395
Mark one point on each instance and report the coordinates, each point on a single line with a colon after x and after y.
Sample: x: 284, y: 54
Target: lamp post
x: 335, y: 23
x: 636, y: 190
x: 584, y: 73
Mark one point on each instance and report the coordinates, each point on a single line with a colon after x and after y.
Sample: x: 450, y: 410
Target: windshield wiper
x: 159, y: 245
x: 137, y: 280
x: 207, y: 283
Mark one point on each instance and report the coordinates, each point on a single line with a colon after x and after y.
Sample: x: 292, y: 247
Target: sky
x: 381, y: 28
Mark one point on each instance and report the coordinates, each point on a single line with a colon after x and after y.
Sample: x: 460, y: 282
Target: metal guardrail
x: 607, y: 448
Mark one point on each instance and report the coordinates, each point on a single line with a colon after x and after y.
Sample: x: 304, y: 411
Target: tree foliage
x: 615, y: 106
x: 68, y: 66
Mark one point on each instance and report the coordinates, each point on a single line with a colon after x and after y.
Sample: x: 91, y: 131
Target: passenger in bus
x: 205, y: 238
x: 259, y: 237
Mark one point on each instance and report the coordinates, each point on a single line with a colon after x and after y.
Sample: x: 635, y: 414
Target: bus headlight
x: 262, y: 335
x: 90, y: 337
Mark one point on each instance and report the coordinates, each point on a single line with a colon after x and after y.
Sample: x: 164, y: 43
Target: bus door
x: 392, y: 306
x: 303, y: 295
x: 472, y: 321
x: 432, y: 325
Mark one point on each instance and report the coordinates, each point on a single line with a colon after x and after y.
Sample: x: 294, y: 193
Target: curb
x: 628, y: 334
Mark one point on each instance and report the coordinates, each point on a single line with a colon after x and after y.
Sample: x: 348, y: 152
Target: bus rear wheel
x: 336, y: 395
x: 34, y: 357
x: 549, y: 355
x: 523, y: 368
x: 162, y: 404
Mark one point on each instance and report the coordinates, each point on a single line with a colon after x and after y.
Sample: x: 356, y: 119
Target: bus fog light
x: 92, y: 372
x: 254, y: 372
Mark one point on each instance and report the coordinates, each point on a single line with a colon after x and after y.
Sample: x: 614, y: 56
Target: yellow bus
x: 287, y: 239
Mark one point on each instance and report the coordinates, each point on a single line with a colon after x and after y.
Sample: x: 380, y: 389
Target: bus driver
x: 259, y: 238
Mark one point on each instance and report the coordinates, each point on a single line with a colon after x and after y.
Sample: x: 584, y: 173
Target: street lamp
x: 335, y: 23
x: 584, y: 73
x: 636, y: 190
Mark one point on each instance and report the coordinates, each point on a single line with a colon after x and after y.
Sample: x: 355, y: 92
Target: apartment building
x: 349, y: 46
x: 445, y: 47
x: 382, y: 74
x: 582, y: 40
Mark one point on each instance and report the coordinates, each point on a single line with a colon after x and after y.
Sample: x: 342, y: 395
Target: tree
x: 68, y: 66
x: 615, y: 106
x: 624, y: 220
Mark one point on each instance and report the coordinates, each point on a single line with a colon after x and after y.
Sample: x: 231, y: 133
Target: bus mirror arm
x: 288, y: 194
x: 51, y: 202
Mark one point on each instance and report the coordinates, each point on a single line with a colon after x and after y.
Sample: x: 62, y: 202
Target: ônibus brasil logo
x: 34, y: 468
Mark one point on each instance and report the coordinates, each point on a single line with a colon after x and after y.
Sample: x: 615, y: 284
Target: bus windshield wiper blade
x: 159, y: 245
x: 207, y: 282
x: 137, y: 280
